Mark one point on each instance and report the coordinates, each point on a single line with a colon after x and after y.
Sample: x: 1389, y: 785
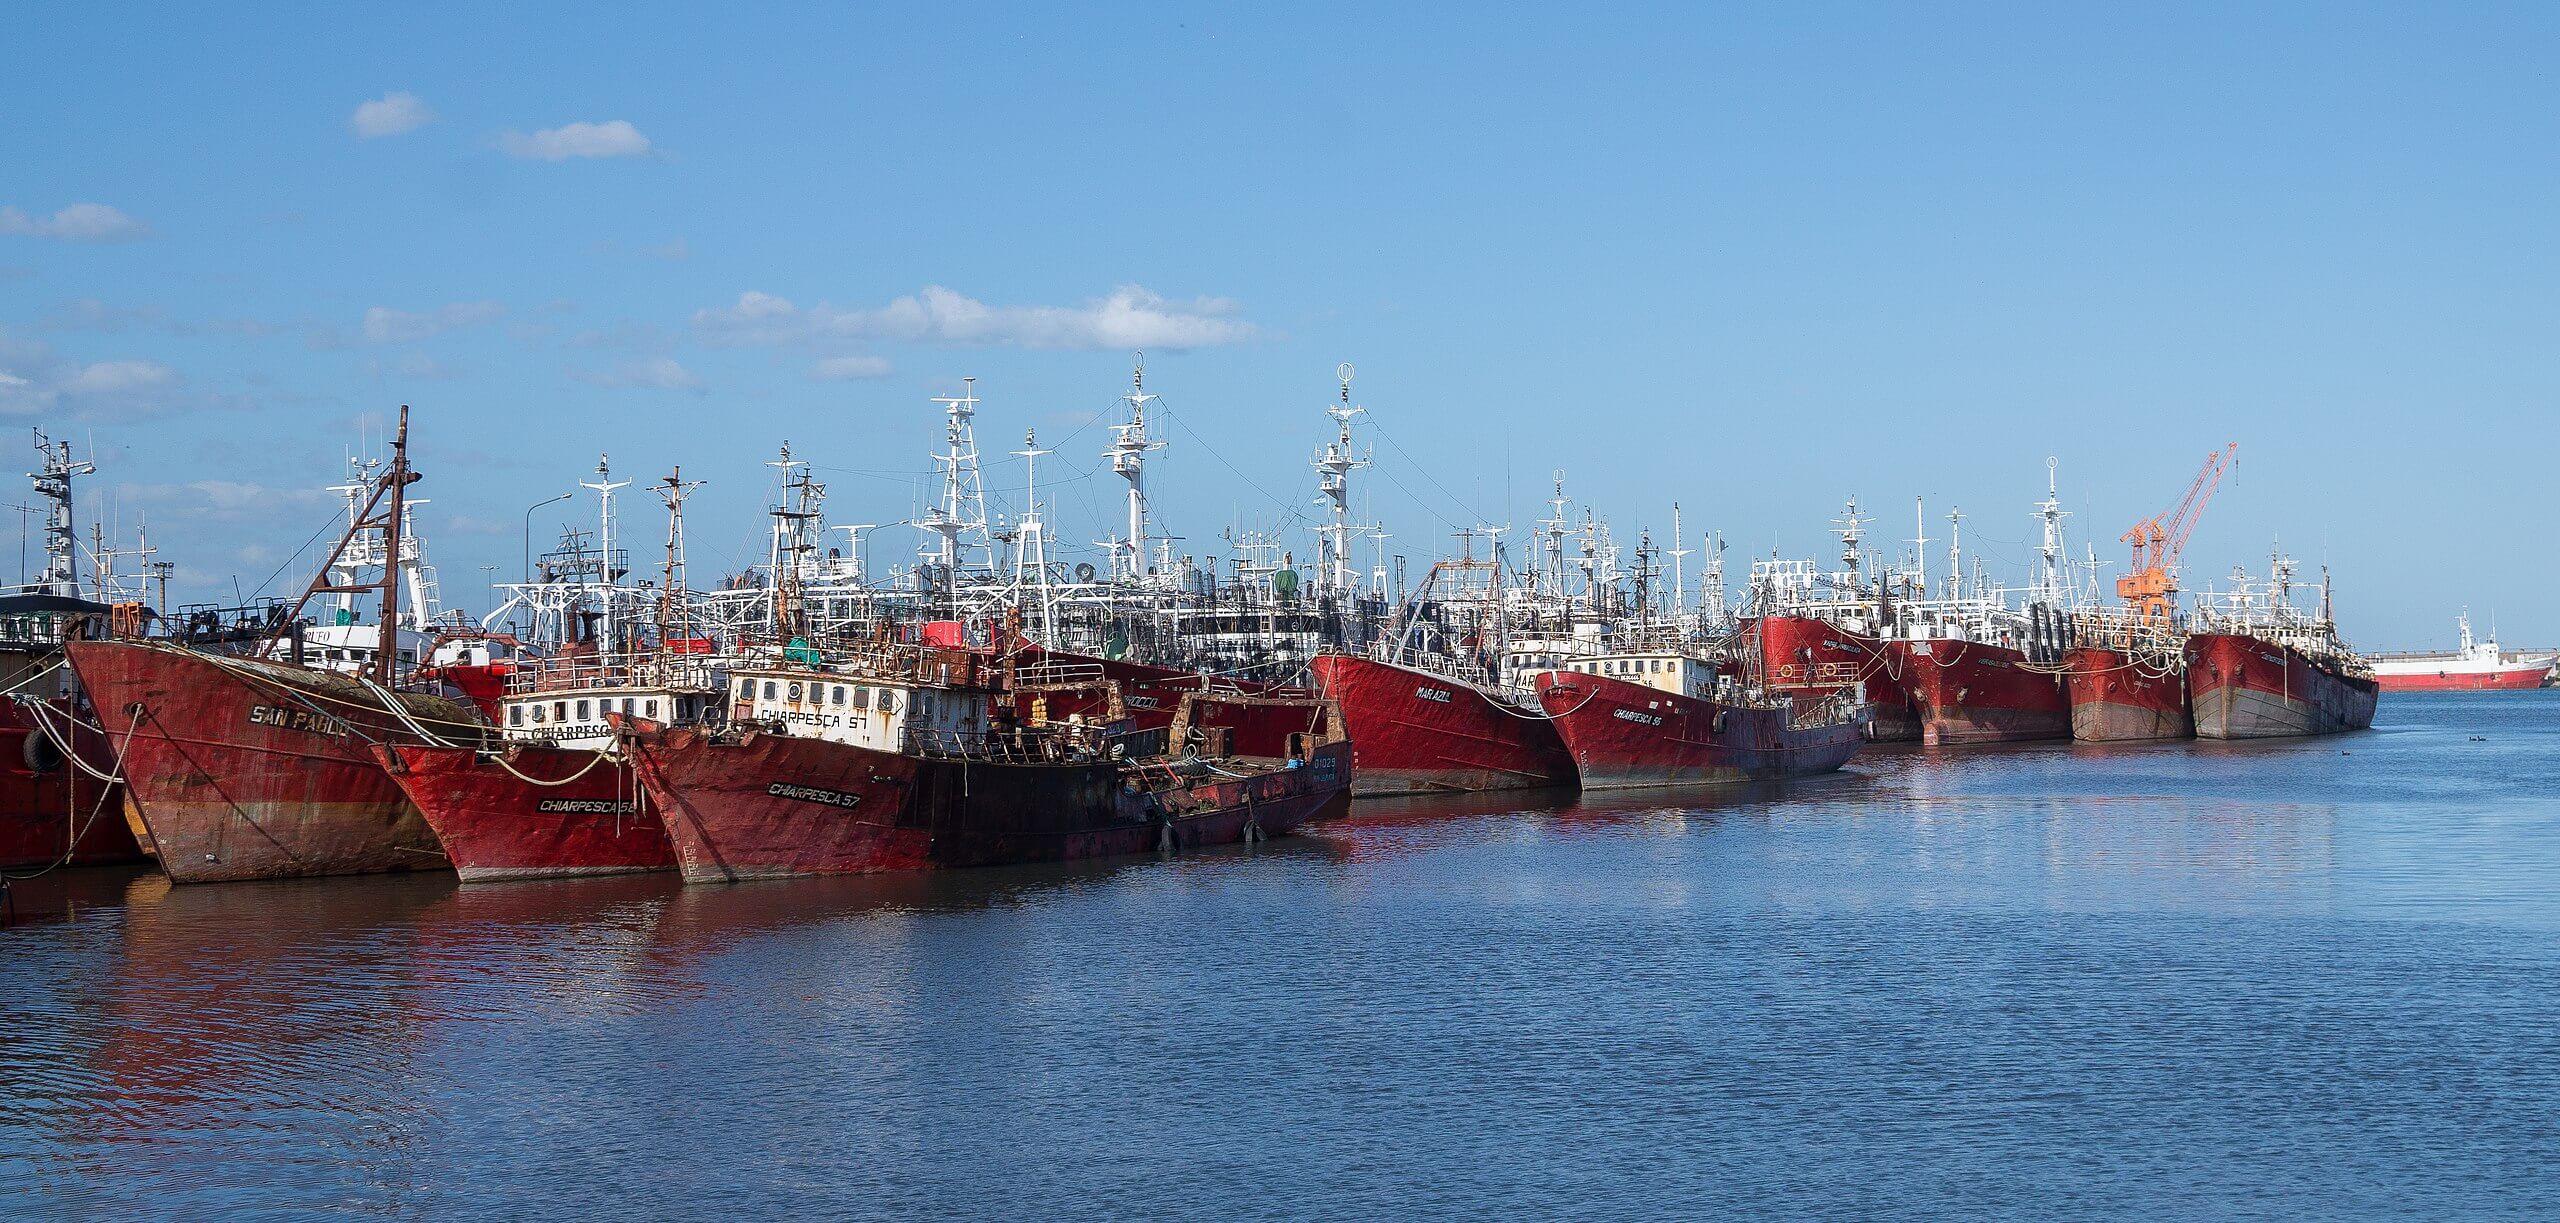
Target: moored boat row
x: 803, y: 720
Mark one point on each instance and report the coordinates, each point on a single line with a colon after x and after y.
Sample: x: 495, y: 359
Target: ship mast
x: 793, y: 517
x: 1031, y: 555
x: 673, y: 602
x: 1955, y: 552
x: 1128, y: 455
x: 1920, y: 549
x: 393, y: 486
x: 604, y: 485
x: 61, y: 535
x: 1679, y: 571
x: 1335, y: 466
x: 963, y: 508
x: 2049, y: 580
x: 1852, y: 532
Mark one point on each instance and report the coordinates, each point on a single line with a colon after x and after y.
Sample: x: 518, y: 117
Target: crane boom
x: 2151, y: 587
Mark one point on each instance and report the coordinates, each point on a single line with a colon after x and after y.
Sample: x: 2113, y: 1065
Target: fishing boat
x: 1661, y: 718
x: 261, y: 765
x: 59, y: 802
x: 2259, y: 667
x: 2474, y: 666
x: 895, y: 757
x: 2127, y: 666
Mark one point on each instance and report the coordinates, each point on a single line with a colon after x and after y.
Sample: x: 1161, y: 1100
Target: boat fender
x: 40, y: 753
x: 1165, y: 842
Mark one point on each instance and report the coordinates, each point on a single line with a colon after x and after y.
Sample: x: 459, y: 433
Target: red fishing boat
x: 1811, y: 660
x: 263, y: 767
x: 2264, y: 668
x: 893, y: 761
x: 530, y: 812
x: 2474, y: 666
x: 58, y: 802
x: 2247, y: 687
x: 55, y: 806
x: 1966, y: 691
x: 2128, y: 692
x: 2127, y: 668
x: 244, y: 769
x: 1655, y: 719
x: 1415, y: 732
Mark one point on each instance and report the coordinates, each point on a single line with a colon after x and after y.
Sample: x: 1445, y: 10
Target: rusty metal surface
x: 241, y: 770
x: 497, y: 819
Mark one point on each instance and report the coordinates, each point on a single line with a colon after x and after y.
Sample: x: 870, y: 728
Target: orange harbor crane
x: 2151, y: 588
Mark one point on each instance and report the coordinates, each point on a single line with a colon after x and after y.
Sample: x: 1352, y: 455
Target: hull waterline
x: 1625, y: 735
x: 2243, y: 687
x: 1413, y: 732
x: 531, y: 812
x: 246, y: 770
x: 2118, y: 698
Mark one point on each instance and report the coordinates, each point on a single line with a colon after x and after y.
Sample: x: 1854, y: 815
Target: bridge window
x: 795, y: 693
x: 515, y: 715
x: 559, y: 711
x: 537, y: 715
x: 861, y: 697
x: 649, y: 708
x: 582, y: 711
x: 888, y: 700
x: 769, y: 687
x: 839, y: 694
x: 746, y: 689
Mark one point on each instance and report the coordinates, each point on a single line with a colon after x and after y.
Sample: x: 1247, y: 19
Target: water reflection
x: 1983, y: 959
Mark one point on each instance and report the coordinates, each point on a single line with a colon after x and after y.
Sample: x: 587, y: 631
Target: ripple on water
x: 2167, y: 979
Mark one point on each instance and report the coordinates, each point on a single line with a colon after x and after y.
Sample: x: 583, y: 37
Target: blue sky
x: 1749, y: 259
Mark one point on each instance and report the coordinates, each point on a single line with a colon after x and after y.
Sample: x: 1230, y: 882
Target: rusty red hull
x: 2243, y: 687
x: 1625, y: 735
x: 533, y: 812
x: 772, y: 806
x: 51, y: 812
x: 1811, y: 658
x: 1413, y: 732
x: 2117, y: 697
x: 1972, y: 692
x: 247, y: 770
x: 767, y: 806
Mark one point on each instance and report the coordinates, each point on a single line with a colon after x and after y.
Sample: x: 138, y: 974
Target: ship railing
x: 680, y: 672
x: 1046, y: 674
x: 1831, y: 710
x: 1055, y: 743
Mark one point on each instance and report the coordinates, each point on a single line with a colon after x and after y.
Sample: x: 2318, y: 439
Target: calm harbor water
x: 2317, y: 978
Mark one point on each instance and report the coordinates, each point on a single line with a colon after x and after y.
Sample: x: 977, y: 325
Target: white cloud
x: 660, y: 373
x: 35, y: 380
x: 839, y: 369
x: 75, y: 223
x: 21, y: 396
x: 390, y: 115
x: 119, y: 378
x: 227, y: 501
x: 1129, y: 317
x: 384, y: 325
x: 616, y: 138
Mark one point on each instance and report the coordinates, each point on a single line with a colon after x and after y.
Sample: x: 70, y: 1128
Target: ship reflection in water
x: 2309, y: 977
